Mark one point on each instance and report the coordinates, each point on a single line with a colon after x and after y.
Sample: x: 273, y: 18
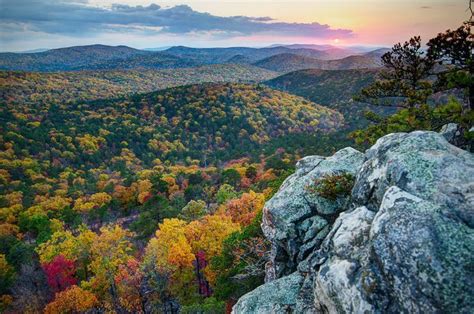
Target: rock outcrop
x: 402, y: 242
x: 295, y: 220
x: 458, y: 136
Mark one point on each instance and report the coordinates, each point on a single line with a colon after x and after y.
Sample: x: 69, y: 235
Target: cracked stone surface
x: 294, y: 217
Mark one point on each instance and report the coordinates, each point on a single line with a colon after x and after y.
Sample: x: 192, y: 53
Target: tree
x: 37, y: 224
x: 169, y: 257
x: 170, y: 248
x: 16, y: 251
x: 251, y: 172
x: 240, y: 267
x: 144, y: 189
x: 30, y: 291
x: 155, y: 209
x: 129, y: 281
x: 72, y: 300
x: 231, y: 176
x: 207, y: 234
x: 7, y: 275
x: 193, y: 210
x: 226, y: 192
x: 75, y: 248
x: 405, y: 84
x: 454, y: 48
x: 110, y: 249
x: 244, y: 209
x: 404, y: 81
x: 206, y: 237
x: 97, y: 200
x: 5, y: 301
x: 60, y: 273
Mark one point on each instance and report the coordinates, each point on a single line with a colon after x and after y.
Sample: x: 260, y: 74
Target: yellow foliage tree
x: 72, y: 300
x: 97, y: 200
x: 208, y: 234
x: 170, y: 255
x: 170, y: 248
x: 144, y: 188
x: 109, y: 250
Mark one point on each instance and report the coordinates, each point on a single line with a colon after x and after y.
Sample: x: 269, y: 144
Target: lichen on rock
x: 403, y: 241
x: 295, y: 220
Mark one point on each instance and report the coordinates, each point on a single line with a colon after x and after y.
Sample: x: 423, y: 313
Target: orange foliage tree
x: 72, y: 300
x: 129, y: 286
x: 244, y: 209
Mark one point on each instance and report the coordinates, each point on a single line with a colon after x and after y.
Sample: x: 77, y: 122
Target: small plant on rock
x: 333, y: 186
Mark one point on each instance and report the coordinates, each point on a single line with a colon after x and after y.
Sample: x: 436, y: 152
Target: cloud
x: 78, y: 19
x: 425, y: 7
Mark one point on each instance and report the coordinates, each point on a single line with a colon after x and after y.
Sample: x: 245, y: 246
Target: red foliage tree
x: 60, y: 273
x: 199, y: 264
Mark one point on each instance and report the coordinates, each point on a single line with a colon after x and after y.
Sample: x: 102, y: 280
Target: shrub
x: 210, y: 305
x: 333, y: 186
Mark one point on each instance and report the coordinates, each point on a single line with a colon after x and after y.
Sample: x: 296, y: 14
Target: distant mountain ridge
x: 64, y: 59
x: 102, y: 57
x: 218, y: 55
x: 289, y: 62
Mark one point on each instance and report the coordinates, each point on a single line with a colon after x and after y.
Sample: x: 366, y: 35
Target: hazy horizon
x: 356, y: 48
x: 39, y: 24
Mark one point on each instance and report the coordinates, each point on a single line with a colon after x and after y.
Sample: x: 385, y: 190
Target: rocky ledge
x: 402, y: 241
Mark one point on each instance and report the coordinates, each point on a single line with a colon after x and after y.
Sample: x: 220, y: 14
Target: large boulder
x: 295, y: 220
x: 403, y: 242
x: 423, y: 256
x: 411, y: 255
x: 423, y: 164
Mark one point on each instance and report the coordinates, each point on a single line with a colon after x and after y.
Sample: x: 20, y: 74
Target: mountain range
x: 101, y: 57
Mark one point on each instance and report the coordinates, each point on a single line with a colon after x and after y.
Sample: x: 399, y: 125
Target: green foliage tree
x: 231, y: 177
x: 193, y: 210
x: 454, y: 48
x: 7, y: 275
x: 38, y: 224
x: 251, y: 172
x: 404, y: 82
x: 226, y: 192
x: 410, y: 78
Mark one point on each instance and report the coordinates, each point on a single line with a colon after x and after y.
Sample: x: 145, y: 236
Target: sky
x: 33, y: 24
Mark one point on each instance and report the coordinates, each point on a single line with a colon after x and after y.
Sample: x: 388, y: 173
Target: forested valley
x: 136, y: 184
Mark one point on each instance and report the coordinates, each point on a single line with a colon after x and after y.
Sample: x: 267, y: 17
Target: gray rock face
x: 404, y: 242
x: 335, y: 290
x: 451, y: 132
x: 426, y: 256
x: 295, y: 220
x: 278, y: 296
x: 423, y: 164
x: 457, y: 136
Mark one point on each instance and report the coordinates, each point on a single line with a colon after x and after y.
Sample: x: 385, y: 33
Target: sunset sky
x: 31, y: 24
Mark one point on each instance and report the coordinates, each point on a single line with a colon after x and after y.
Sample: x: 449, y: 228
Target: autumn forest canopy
x: 133, y: 181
